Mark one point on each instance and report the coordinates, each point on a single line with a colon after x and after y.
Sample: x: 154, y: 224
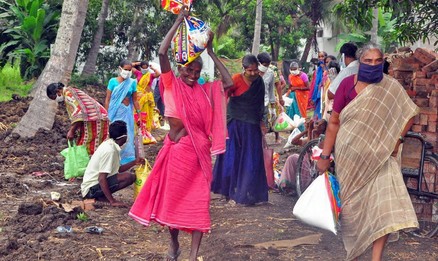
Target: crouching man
x: 104, y: 175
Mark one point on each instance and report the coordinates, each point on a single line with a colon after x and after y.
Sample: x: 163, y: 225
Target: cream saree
x: 375, y: 201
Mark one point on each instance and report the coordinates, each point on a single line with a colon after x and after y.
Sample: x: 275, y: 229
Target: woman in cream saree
x: 371, y: 114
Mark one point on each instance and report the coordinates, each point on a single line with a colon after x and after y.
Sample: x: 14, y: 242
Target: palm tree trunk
x: 257, y: 28
x: 42, y: 110
x: 375, y: 26
x: 307, y: 47
x: 90, y: 64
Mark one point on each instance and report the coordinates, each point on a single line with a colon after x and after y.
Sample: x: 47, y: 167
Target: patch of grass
x: 82, y: 217
x: 12, y: 83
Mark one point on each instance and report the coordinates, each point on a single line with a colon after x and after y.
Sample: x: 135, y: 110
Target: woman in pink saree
x: 177, y: 192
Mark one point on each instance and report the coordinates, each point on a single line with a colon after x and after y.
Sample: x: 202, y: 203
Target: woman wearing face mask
x: 371, y: 114
x: 88, y: 118
x: 144, y: 92
x: 177, y: 192
x: 298, y: 91
x: 239, y: 173
x: 121, y: 100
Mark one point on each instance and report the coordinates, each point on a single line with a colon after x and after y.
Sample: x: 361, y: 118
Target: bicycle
x: 416, y: 153
x: 306, y: 166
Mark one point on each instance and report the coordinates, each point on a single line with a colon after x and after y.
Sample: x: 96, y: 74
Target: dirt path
x: 31, y: 169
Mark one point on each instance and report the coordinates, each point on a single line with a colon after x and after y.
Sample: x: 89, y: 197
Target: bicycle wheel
x: 306, y: 169
x: 428, y: 228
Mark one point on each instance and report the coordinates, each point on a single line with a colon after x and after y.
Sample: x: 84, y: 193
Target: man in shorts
x: 104, y: 174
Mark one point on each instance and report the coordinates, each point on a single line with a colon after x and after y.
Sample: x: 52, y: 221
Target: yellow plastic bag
x: 141, y: 174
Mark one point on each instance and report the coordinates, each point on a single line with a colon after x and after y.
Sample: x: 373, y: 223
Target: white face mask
x: 262, y: 68
x: 59, y: 98
x: 144, y: 71
x: 294, y: 72
x: 125, y: 74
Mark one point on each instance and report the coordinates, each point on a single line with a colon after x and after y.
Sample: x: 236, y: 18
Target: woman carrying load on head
x: 371, y: 114
x: 177, y: 192
x: 121, y: 99
x: 239, y: 173
x: 88, y: 118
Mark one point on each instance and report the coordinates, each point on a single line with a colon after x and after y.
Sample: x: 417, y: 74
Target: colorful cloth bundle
x: 333, y: 191
x: 191, y: 38
x: 174, y: 6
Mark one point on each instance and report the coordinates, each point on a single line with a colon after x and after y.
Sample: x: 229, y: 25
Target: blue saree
x: 119, y: 111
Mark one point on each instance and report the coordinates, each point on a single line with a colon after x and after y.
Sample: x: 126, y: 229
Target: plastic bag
x: 294, y: 133
x: 76, y: 160
x: 174, y: 6
x: 190, y: 40
x: 287, y: 101
x: 141, y: 175
x: 283, y: 123
x: 314, y: 207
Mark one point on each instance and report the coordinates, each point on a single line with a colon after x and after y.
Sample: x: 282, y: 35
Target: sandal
x: 171, y: 257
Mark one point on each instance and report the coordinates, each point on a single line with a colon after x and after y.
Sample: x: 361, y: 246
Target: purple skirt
x: 239, y: 173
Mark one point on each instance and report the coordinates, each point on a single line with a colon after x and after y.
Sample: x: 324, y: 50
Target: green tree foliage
x: 405, y: 21
x: 28, y: 29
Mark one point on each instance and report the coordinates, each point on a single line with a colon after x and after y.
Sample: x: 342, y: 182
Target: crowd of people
x: 363, y: 113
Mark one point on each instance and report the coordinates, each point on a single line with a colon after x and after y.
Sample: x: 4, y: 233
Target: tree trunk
x: 257, y: 28
x: 42, y: 110
x: 133, y: 50
x: 307, y: 49
x: 90, y: 64
x: 375, y: 26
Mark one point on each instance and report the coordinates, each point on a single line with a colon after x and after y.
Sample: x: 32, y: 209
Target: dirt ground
x: 30, y: 169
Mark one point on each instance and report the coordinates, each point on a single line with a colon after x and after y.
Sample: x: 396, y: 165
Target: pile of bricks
x: 418, y: 73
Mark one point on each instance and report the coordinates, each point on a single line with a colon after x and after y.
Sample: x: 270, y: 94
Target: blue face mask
x: 370, y: 73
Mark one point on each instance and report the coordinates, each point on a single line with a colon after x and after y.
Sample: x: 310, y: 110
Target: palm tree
x: 90, y: 64
x: 257, y: 28
x: 41, y: 112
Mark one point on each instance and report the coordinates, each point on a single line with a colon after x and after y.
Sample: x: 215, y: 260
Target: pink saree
x: 177, y: 192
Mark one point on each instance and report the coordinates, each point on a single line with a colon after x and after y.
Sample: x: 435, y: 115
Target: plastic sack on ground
x: 283, y: 123
x: 141, y: 175
x: 76, y: 160
x: 314, y: 206
x: 293, y: 134
x: 190, y: 40
x: 298, y: 121
x: 174, y: 6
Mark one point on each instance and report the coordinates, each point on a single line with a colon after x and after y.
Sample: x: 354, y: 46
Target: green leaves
x: 30, y: 29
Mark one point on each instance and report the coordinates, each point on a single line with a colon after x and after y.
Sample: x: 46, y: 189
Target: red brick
x: 424, y: 88
x: 403, y: 75
x: 421, y: 102
x: 424, y: 55
x: 432, y: 75
x: 423, y: 81
x: 423, y: 119
x: 430, y: 168
x: 417, y: 119
x: 433, y: 66
x: 428, y: 111
x: 418, y: 128
x: 433, y: 102
x: 419, y: 74
x: 431, y: 126
x: 433, y: 117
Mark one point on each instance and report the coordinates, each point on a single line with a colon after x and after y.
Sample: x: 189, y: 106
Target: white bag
x: 314, y: 208
x: 287, y: 101
x: 294, y: 133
